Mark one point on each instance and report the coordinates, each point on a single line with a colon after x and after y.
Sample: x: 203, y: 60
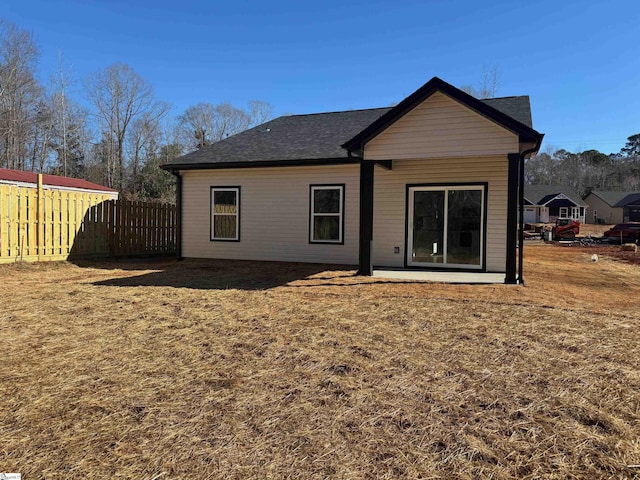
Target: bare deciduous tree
x: 228, y: 121
x: 489, y: 84
x: 120, y: 95
x: 259, y: 112
x: 20, y: 94
x: 60, y: 106
x: 119, y: 140
x: 196, y: 125
x: 41, y: 133
x: 205, y: 123
x: 144, y: 144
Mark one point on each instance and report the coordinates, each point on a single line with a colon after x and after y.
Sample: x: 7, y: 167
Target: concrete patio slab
x: 442, y: 277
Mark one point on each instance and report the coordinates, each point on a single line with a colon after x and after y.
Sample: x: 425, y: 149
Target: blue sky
x: 578, y: 60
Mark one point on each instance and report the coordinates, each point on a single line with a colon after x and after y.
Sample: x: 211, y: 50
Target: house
x: 24, y: 179
x: 630, y: 208
x: 546, y: 203
x: 431, y: 183
x: 611, y: 207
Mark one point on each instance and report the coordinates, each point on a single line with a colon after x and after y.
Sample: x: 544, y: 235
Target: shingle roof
x: 611, y: 197
x: 294, y: 137
x: 518, y: 108
x: 319, y: 137
x: 53, y: 180
x: 541, y: 194
x: 631, y: 199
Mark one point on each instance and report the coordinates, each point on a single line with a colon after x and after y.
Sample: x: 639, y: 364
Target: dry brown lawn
x: 595, y: 230
x: 239, y: 370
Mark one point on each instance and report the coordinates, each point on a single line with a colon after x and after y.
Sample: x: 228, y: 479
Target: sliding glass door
x: 446, y: 226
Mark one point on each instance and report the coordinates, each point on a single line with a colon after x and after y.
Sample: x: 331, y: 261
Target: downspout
x: 521, y: 209
x: 178, y: 213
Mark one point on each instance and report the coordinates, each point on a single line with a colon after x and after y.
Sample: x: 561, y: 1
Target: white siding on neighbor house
x: 441, y: 127
x: 390, y: 202
x: 274, y: 214
x: 530, y: 214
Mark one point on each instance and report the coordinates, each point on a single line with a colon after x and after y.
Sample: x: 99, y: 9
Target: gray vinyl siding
x: 390, y: 202
x: 441, y: 127
x: 607, y: 213
x: 274, y: 214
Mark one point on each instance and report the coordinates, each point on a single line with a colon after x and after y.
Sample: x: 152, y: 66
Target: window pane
x: 224, y: 226
x: 224, y: 201
x: 464, y: 219
x: 326, y: 201
x: 326, y: 228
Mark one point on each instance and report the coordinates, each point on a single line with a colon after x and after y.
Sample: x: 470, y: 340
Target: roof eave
x: 172, y: 167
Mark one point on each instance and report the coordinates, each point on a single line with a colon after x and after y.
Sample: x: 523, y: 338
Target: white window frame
x: 340, y: 214
x: 566, y: 212
x: 213, y: 214
x: 575, y: 213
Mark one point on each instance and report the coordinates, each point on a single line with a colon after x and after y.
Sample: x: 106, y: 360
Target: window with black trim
x: 225, y: 213
x: 326, y: 219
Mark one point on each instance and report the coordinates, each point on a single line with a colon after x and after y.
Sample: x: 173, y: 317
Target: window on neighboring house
x: 595, y: 216
x: 225, y: 213
x: 326, y: 219
x: 575, y: 213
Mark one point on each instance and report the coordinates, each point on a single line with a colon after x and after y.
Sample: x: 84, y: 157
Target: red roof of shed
x: 53, y: 180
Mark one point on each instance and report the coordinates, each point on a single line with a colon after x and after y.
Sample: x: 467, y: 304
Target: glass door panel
x: 428, y: 227
x: 464, y: 227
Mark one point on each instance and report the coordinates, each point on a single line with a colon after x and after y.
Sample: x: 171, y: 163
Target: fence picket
x: 14, y: 228
x: 5, y: 222
x: 43, y: 224
x: 64, y: 223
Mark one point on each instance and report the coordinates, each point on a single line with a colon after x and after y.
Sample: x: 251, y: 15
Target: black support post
x: 521, y: 223
x: 512, y: 216
x: 366, y: 217
x: 178, y: 214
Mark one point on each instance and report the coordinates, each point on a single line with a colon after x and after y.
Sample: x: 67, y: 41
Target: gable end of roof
x: 543, y: 194
x: 525, y: 133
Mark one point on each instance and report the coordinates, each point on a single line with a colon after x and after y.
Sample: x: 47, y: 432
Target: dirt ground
x: 591, y: 231
x: 594, y: 230
x: 245, y: 370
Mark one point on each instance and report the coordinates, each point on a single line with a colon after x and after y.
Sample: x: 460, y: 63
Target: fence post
x: 40, y: 238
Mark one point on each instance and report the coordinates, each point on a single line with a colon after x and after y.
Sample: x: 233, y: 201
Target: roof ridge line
x: 336, y: 111
x: 501, y: 98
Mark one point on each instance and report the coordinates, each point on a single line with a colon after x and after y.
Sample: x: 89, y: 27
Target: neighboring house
x: 630, y: 208
x: 53, y: 182
x: 431, y: 183
x: 610, y: 207
x: 546, y: 203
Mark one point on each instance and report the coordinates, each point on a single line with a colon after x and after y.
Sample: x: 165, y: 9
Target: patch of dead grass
x: 208, y: 369
x: 595, y: 230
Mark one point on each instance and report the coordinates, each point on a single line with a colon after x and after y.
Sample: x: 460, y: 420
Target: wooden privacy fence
x: 38, y: 224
